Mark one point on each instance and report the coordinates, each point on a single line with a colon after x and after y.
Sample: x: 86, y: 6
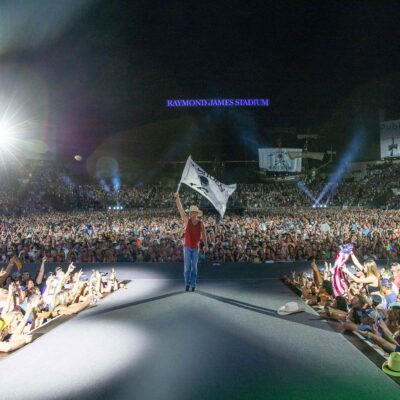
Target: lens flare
x: 12, y: 131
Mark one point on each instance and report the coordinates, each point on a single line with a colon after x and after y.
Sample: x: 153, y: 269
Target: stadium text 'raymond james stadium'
x: 218, y: 103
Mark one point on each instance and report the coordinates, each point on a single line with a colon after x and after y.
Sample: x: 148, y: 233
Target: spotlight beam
x: 302, y: 186
x: 336, y: 178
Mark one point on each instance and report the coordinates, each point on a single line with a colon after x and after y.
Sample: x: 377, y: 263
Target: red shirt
x: 192, y: 234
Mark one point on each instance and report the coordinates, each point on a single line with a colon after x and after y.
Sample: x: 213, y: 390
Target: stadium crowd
x: 45, y: 214
x: 369, y: 305
x: 128, y: 236
x: 49, y: 188
x: 27, y: 302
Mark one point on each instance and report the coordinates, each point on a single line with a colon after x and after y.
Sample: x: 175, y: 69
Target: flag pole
x: 179, y: 184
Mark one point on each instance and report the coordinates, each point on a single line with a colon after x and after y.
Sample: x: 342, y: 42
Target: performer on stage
x: 194, y: 231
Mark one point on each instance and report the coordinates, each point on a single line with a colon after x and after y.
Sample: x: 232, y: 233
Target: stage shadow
x: 131, y: 304
x: 300, y: 318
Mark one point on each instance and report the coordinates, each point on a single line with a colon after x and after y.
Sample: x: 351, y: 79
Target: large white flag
x: 198, y: 179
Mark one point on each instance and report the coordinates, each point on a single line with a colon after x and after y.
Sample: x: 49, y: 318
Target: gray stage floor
x: 226, y: 341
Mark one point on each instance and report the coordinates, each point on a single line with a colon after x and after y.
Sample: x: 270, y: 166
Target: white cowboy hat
x: 290, y: 308
x: 392, y: 365
x: 196, y: 209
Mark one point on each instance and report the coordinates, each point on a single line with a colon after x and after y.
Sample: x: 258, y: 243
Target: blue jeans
x: 190, y: 257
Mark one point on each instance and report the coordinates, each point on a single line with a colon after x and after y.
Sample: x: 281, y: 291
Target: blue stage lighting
x: 116, y: 182
x: 104, y: 186
x: 302, y: 186
x: 335, y: 179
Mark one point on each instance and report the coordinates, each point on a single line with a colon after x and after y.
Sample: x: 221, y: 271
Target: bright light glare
x: 13, y: 129
x: 88, y: 360
x: 5, y: 133
x: 8, y: 143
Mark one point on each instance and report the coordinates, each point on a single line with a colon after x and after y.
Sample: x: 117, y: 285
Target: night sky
x: 326, y: 66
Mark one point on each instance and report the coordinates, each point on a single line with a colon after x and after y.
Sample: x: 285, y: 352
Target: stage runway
x: 225, y: 341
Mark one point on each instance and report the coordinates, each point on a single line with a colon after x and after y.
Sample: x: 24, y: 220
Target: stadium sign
x: 280, y: 159
x: 218, y: 103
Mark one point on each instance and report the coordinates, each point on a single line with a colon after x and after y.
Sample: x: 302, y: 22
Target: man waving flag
x: 198, y: 179
x: 218, y: 194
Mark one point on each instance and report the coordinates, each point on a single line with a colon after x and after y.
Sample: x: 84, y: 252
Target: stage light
x: 5, y: 133
x: 336, y: 178
x: 16, y: 133
x: 10, y: 147
x: 116, y: 182
x: 104, y: 185
x: 302, y: 186
x: 78, y: 360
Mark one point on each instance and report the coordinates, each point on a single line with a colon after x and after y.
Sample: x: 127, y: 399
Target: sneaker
x: 193, y: 289
x: 187, y: 288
